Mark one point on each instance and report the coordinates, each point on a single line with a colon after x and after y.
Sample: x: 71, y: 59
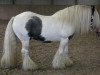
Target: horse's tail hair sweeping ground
x: 9, y: 52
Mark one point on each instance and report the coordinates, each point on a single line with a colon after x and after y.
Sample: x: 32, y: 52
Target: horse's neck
x: 68, y: 13
x: 77, y: 16
x: 72, y: 10
x: 60, y: 13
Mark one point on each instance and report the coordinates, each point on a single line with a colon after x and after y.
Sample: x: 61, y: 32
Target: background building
x: 9, y: 8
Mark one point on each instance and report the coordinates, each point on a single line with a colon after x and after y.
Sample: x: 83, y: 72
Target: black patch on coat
x: 93, y: 10
x: 70, y: 37
x: 34, y: 28
x: 92, y: 15
x: 47, y: 41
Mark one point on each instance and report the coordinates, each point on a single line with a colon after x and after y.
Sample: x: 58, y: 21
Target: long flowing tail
x: 9, y: 53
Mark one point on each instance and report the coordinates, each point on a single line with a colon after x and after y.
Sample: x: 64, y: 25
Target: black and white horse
x: 58, y: 27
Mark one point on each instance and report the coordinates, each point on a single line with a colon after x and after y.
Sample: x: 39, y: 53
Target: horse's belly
x: 51, y: 33
x: 52, y: 37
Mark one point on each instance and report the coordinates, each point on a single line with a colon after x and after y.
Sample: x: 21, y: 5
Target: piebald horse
x: 60, y: 26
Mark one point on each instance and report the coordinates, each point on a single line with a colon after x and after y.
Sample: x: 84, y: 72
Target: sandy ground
x: 84, y: 50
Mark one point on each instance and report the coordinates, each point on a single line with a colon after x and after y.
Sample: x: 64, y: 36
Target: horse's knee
x: 25, y: 45
x: 24, y: 51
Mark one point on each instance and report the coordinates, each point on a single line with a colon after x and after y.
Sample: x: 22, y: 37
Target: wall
x: 72, y: 2
x: 98, y: 8
x: 49, y: 2
x: 89, y: 2
x: 7, y: 11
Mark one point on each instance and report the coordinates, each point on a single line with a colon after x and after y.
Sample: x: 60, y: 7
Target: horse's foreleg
x: 61, y: 58
x: 28, y: 64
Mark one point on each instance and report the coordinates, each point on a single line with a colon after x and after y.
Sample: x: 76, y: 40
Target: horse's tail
x: 9, y: 53
x: 96, y: 19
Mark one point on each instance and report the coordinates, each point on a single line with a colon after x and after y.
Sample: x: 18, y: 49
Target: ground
x: 84, y: 50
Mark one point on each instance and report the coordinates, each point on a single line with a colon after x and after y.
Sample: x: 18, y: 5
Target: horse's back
x: 25, y: 15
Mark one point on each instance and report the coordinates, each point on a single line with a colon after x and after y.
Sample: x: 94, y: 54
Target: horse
x: 61, y: 26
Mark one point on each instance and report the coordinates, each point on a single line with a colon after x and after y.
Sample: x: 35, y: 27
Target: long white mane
x: 78, y: 16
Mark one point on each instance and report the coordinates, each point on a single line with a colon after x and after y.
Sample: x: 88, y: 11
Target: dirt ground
x: 84, y: 50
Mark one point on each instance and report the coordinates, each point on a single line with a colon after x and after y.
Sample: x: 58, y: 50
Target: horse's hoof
x: 69, y: 63
x: 29, y: 68
x: 62, y: 63
x: 28, y: 64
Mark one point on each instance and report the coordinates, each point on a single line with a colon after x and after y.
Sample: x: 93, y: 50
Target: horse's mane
x: 77, y: 16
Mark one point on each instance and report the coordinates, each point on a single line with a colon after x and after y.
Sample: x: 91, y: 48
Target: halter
x: 92, y: 17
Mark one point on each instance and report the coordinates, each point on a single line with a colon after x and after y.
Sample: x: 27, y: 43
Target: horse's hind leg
x: 28, y: 64
x: 61, y: 58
